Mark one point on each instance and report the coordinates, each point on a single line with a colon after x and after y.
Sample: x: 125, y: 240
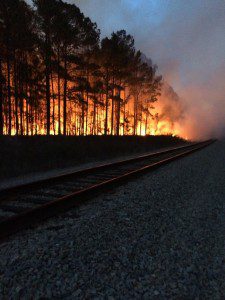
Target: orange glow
x: 91, y: 121
x: 74, y: 126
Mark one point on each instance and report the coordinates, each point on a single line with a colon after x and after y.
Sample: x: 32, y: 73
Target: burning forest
x: 112, y: 127
x: 58, y: 77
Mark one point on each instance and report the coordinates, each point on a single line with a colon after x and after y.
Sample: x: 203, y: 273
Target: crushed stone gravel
x: 161, y: 236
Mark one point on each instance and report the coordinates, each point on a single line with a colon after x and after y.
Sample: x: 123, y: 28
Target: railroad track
x: 29, y: 204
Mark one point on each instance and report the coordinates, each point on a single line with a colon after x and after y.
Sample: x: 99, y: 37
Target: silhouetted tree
x: 55, y: 77
x: 2, y: 79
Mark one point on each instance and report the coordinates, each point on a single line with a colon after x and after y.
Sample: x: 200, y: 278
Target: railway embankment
x: 159, y: 236
x: 24, y: 155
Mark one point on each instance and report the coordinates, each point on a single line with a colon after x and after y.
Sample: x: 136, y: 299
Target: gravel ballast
x: 158, y: 237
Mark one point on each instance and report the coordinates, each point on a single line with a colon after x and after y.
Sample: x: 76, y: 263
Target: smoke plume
x: 186, y: 40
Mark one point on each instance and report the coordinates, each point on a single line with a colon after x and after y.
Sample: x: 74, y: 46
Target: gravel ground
x: 158, y: 237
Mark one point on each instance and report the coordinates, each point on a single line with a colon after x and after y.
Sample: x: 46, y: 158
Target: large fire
x: 71, y: 82
x: 154, y: 126
x: 159, y: 118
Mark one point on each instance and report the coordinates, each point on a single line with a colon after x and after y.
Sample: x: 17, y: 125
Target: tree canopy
x: 58, y: 77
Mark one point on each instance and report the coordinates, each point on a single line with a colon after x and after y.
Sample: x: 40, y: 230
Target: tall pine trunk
x: 112, y: 112
x: 21, y: 109
x: 27, y: 117
x: 47, y: 79
x: 1, y: 98
x: 118, y: 115
x: 106, y: 103
x: 146, y: 124
x: 16, y: 96
x: 124, y: 110
x: 53, y: 103
x: 94, y: 119
x: 135, y: 114
x: 64, y: 94
x: 59, y: 95
x: 82, y: 119
x: 9, y: 95
x: 141, y: 122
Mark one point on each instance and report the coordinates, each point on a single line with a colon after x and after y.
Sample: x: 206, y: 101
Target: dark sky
x: 186, y: 38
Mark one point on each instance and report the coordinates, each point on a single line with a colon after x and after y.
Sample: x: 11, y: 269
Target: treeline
x: 57, y: 77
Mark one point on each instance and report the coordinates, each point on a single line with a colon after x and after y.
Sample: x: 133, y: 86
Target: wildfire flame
x: 147, y: 124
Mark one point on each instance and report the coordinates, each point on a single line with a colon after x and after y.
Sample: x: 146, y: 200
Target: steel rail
x: 101, y: 167
x: 35, y: 215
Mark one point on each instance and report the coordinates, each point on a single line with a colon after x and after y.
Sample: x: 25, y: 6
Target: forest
x: 58, y: 77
